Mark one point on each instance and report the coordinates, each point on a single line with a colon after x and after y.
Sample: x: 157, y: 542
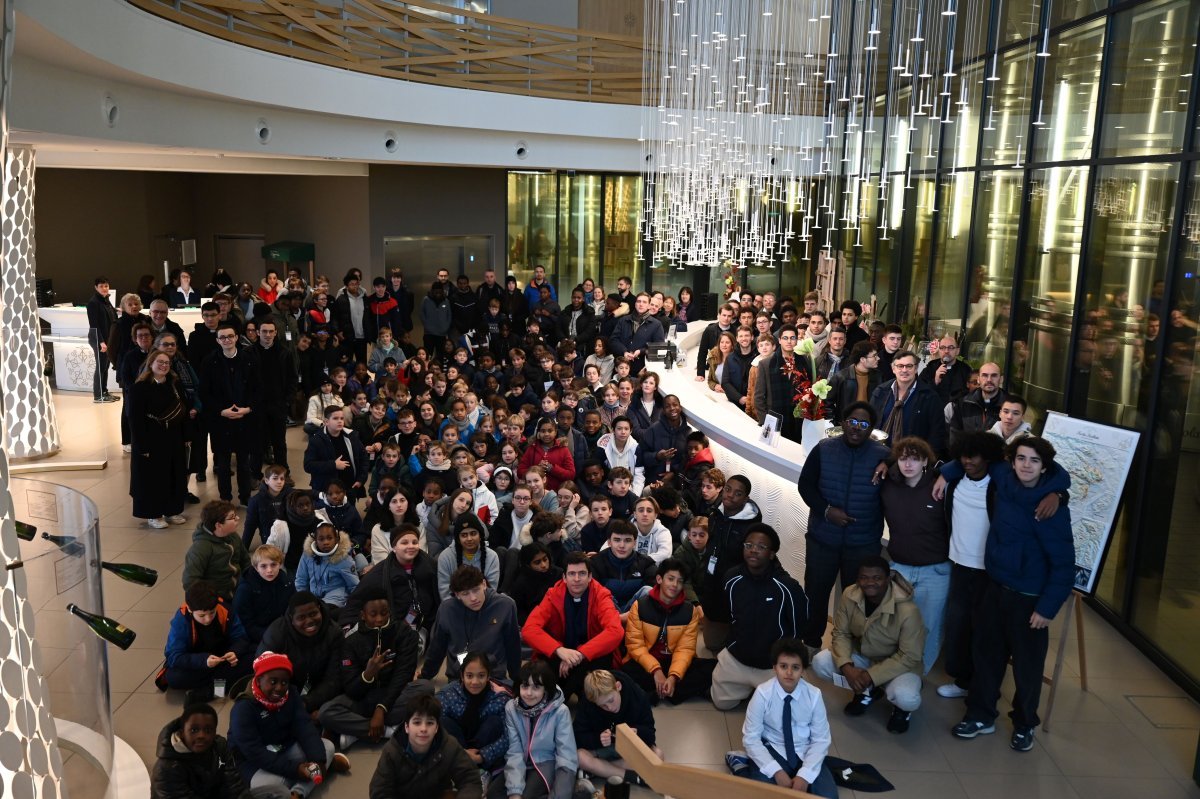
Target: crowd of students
x: 516, y: 506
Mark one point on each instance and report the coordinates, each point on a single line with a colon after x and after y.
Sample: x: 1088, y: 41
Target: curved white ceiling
x: 179, y: 92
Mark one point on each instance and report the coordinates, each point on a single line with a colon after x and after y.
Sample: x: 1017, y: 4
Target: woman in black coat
x: 158, y: 470
x: 194, y: 762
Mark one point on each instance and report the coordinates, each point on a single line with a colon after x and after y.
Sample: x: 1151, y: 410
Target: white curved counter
x: 772, y: 471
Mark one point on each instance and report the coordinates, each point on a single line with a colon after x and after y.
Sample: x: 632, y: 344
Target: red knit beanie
x: 268, y: 661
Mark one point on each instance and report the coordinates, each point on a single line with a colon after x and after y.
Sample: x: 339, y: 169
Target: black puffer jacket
x: 418, y: 590
x: 316, y: 659
x: 446, y: 764
x: 181, y: 774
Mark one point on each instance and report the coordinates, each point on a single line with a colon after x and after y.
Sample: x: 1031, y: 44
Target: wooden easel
x: 1077, y: 608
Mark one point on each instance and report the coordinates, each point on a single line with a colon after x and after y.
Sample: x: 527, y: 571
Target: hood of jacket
x: 526, y: 534
x: 899, y: 590
x: 749, y: 511
x: 339, y: 552
x: 703, y: 456
x: 203, y: 534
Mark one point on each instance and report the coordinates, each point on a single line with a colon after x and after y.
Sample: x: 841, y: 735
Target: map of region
x: 1098, y: 458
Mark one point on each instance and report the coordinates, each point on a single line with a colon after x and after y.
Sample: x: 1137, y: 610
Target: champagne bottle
x: 25, y: 531
x: 142, y: 575
x: 106, y: 628
x: 60, y: 540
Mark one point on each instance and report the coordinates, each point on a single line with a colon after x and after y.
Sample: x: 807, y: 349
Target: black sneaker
x: 969, y: 729
x: 898, y: 723
x: 859, y: 704
x: 192, y: 499
x: 1022, y: 739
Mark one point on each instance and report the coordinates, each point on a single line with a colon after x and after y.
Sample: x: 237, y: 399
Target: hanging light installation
x: 769, y: 125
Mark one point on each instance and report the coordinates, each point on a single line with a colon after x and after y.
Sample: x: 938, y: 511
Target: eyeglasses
x: 226, y: 338
x: 166, y: 344
x: 751, y: 546
x: 861, y: 424
x: 903, y: 365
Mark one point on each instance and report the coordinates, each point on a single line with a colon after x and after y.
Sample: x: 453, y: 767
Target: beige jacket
x: 893, y: 638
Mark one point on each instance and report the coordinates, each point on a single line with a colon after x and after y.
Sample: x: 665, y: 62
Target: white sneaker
x: 126, y: 448
x: 951, y: 691
x: 178, y: 518
x: 345, y: 742
x: 158, y: 524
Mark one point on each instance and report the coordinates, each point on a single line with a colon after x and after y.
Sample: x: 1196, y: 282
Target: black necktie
x: 789, y: 745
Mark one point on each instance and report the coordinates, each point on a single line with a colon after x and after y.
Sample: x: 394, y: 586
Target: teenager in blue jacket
x: 1030, y: 563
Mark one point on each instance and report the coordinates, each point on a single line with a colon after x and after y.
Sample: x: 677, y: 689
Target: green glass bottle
x: 106, y: 628
x: 25, y: 531
x: 60, y: 540
x: 142, y: 575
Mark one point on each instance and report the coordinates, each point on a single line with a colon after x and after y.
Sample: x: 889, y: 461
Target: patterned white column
x: 30, y: 425
x: 30, y: 761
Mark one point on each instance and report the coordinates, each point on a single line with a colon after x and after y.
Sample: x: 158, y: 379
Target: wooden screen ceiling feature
x: 426, y: 42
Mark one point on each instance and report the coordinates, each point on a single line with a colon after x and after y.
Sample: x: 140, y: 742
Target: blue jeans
x: 823, y: 785
x: 931, y: 586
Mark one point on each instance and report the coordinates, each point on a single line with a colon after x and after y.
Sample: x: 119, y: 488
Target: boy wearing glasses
x: 845, y: 515
x: 230, y: 394
x: 766, y: 604
x: 217, y: 553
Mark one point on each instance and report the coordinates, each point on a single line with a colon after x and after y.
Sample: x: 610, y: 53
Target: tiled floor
x: 1132, y: 734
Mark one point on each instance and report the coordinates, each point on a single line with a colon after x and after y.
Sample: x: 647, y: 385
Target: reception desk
x: 74, y: 361
x: 738, y: 449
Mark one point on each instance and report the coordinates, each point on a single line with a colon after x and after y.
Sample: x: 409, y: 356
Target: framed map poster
x: 1098, y: 458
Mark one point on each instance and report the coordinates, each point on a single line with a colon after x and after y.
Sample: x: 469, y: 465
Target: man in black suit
x: 230, y: 397
x: 101, y: 317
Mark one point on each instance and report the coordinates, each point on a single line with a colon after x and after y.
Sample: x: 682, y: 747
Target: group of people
x: 516, y: 505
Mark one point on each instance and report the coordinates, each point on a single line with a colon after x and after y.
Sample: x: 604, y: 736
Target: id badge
x: 287, y: 335
x: 411, y: 618
x: 712, y: 564
x: 460, y: 657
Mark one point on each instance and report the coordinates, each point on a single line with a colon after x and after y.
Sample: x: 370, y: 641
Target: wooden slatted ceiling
x: 424, y: 42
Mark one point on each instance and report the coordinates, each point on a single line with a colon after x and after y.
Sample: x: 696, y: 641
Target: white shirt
x: 969, y: 522
x: 764, y: 725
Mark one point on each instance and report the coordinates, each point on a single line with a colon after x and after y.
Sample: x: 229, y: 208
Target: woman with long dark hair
x: 158, y: 471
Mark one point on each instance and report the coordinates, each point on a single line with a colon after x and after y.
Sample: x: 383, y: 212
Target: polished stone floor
x: 1133, y: 733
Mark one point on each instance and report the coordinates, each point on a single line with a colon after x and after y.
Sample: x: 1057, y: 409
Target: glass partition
x: 994, y: 259
x: 72, y: 660
x: 1152, y: 55
x: 1044, y: 312
x: 576, y: 225
x: 532, y: 223
x: 1165, y: 584
x: 1066, y: 112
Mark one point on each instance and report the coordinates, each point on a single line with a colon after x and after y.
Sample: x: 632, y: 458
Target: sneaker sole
x: 1013, y: 746
x: 980, y: 731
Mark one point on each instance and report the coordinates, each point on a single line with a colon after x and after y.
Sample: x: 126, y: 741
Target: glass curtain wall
x: 1053, y: 222
x: 576, y: 225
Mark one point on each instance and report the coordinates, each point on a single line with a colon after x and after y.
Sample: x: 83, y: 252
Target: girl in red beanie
x: 273, y: 738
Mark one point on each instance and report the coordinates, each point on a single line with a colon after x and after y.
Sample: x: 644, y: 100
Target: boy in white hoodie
x: 481, y: 496
x: 1012, y: 425
x: 620, y: 449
